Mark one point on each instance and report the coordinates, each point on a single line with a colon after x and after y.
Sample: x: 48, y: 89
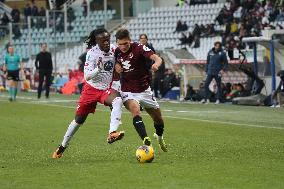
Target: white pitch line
x: 175, y: 117
x: 224, y: 122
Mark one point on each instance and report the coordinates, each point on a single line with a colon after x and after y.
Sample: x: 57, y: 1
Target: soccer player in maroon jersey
x: 131, y: 59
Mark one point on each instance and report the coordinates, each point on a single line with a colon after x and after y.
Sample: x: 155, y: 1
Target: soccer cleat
x: 58, y: 152
x: 114, y: 136
x: 161, y: 142
x: 217, y: 101
x: 205, y: 101
x: 147, y: 141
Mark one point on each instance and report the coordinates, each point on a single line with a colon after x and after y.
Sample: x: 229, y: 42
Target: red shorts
x: 89, y: 98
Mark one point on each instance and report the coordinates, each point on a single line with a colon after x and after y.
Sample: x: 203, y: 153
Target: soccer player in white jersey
x: 98, y: 73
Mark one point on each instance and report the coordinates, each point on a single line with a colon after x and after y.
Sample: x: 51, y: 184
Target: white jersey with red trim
x: 99, y: 66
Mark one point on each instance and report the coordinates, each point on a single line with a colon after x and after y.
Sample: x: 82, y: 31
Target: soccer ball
x: 145, y: 154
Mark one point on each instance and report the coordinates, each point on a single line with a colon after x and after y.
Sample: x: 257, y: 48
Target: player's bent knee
x: 80, y: 119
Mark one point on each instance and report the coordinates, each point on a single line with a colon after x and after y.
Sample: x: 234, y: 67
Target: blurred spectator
x: 186, y: 40
x: 15, y: 15
x: 178, y: 26
x: 182, y: 3
x: 196, y: 41
x: 196, y: 30
x: 169, y: 81
x: 184, y: 26
x: 5, y: 19
x: 280, y: 16
x: 237, y: 91
x: 190, y: 93
x: 34, y: 9
x: 183, y: 39
x: 234, y: 27
x: 27, y: 11
x: 70, y: 14
x: 84, y: 6
x: 42, y: 12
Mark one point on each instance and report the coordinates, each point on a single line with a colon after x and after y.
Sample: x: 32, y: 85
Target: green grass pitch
x: 216, y: 147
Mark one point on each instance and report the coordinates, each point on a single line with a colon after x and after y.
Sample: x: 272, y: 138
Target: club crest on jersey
x: 126, y: 65
x: 108, y: 66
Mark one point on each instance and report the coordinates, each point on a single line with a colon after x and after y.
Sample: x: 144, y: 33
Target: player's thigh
x: 132, y: 106
x: 114, y: 94
x: 155, y: 114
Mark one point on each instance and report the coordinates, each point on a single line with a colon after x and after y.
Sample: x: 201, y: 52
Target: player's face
x: 123, y: 44
x: 10, y: 50
x: 103, y: 41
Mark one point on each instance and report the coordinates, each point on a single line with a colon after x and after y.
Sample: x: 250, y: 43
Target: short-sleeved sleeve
x: 145, y: 51
x: 90, y: 64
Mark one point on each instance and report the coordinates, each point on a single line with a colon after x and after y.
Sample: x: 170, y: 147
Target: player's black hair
x: 122, y: 34
x: 91, y: 40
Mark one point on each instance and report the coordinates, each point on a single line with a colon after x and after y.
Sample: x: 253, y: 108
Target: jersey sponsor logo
x: 146, y: 48
x: 126, y: 65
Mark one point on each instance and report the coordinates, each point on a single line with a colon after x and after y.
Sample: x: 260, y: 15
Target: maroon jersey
x: 135, y: 76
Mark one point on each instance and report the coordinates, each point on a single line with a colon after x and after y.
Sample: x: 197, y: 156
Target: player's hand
x: 118, y: 68
x: 155, y: 67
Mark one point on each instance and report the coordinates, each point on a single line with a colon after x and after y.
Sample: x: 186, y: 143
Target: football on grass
x: 145, y: 154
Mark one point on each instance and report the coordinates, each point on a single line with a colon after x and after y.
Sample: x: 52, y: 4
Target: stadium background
x: 64, y: 26
x: 210, y: 146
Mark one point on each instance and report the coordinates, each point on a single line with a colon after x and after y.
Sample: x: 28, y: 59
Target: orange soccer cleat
x: 58, y: 152
x: 114, y: 136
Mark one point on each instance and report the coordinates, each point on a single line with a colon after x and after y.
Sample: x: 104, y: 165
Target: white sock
x: 72, y: 128
x: 115, y: 115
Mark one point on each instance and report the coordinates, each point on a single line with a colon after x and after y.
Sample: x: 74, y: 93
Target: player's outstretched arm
x: 157, y: 60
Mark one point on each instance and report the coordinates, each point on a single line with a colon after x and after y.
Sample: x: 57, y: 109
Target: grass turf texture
x: 209, y: 147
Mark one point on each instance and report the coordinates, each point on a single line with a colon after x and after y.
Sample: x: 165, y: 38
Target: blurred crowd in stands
x: 38, y: 19
x: 240, y: 19
x: 247, y: 19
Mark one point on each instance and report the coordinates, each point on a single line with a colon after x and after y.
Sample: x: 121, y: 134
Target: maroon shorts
x: 89, y: 98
